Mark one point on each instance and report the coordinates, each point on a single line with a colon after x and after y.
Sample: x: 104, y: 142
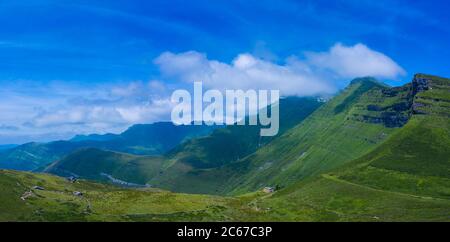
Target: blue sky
x: 113, y: 63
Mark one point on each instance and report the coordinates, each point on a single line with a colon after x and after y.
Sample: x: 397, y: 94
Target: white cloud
x: 71, y: 109
x: 318, y: 73
x: 245, y: 72
x: 355, y: 61
x: 135, y: 102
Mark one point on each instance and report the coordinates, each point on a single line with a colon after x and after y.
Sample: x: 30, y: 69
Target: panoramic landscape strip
x: 246, y: 113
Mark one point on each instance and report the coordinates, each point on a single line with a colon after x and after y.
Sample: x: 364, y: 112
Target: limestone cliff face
x: 420, y: 83
x: 389, y: 106
x: 394, y: 106
x: 431, y: 95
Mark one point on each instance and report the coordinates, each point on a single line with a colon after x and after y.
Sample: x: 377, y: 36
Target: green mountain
x: 222, y: 146
x: 360, y: 119
x: 406, y: 178
x: 416, y: 158
x: 142, y: 139
x: 229, y: 144
x: 94, y: 137
x: 235, y: 160
x: 372, y: 153
x: 341, y: 130
x: 32, y: 156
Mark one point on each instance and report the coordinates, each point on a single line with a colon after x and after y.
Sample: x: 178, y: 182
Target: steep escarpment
x: 388, y: 106
x: 431, y: 95
x: 416, y: 159
x: 393, y: 107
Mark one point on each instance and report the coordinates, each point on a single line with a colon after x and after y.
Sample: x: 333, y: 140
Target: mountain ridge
x: 153, y: 139
x: 223, y: 144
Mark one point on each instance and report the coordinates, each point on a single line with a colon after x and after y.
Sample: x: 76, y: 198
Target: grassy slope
x: 417, y: 158
x: 324, y: 199
x: 90, y: 163
x: 405, y: 178
x: 331, y: 199
x: 106, y: 203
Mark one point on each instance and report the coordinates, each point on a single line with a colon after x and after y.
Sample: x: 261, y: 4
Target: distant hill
x: 142, y: 139
x: 94, y: 137
x: 6, y: 147
x: 235, y: 142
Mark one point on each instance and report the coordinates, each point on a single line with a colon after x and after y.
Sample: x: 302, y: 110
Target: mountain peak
x: 425, y: 79
x: 366, y: 80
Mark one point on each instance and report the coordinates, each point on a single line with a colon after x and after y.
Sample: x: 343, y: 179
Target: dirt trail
x: 336, y: 179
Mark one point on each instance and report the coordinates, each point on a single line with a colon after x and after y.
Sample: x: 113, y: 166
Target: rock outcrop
x: 420, y: 84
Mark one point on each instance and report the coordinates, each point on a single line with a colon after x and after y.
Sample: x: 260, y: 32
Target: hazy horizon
x: 78, y: 68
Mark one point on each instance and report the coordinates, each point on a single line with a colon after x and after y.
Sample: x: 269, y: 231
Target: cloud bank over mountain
x: 316, y: 73
x: 355, y: 61
x: 62, y: 110
x: 59, y: 110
